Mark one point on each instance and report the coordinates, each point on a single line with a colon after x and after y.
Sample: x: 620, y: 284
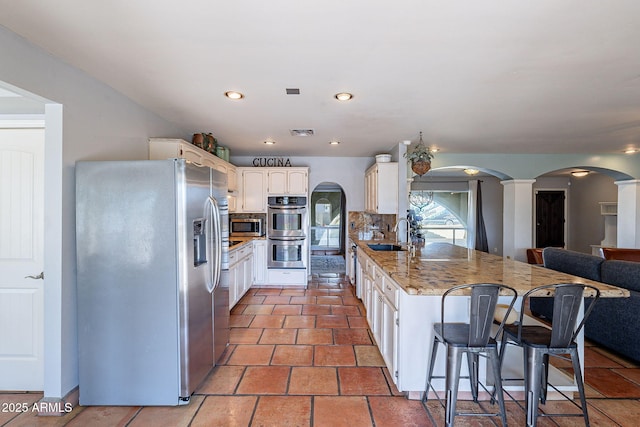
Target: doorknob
x: 39, y: 276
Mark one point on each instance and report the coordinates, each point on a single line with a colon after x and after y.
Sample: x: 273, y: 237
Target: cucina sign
x: 271, y: 162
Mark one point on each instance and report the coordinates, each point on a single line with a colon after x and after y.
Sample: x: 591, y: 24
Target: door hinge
x: 397, y: 322
x: 396, y: 374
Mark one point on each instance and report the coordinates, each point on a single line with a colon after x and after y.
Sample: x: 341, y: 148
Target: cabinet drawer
x: 391, y: 292
x: 244, y: 251
x: 233, y: 256
x: 379, y: 277
x: 287, y: 277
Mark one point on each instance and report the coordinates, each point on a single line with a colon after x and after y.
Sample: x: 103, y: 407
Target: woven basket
x: 420, y: 167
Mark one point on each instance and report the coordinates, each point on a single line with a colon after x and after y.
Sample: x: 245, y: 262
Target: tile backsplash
x: 380, y: 225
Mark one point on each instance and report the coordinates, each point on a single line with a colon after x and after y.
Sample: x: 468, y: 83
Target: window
x: 439, y: 216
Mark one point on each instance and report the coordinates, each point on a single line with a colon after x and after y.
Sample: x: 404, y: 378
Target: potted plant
x: 420, y: 158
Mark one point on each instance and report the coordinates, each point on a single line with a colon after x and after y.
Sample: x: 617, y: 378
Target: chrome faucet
x: 410, y: 246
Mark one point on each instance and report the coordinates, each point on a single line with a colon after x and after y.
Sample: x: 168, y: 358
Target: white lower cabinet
x: 359, y: 281
x: 240, y: 272
x: 389, y: 337
x: 368, y: 297
x: 247, y: 267
x: 381, y: 300
x: 233, y: 288
x: 385, y: 321
x: 376, y: 315
x: 259, y: 262
x: 287, y: 276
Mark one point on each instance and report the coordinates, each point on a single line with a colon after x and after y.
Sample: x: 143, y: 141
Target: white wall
x: 98, y: 123
x: 585, y: 221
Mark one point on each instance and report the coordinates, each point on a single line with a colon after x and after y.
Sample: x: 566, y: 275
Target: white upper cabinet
x: 169, y: 148
x: 289, y: 181
x: 232, y: 178
x: 256, y: 184
x: 381, y: 188
x: 253, y: 189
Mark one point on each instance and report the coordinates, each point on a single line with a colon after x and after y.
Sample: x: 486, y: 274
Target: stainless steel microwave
x: 246, y: 227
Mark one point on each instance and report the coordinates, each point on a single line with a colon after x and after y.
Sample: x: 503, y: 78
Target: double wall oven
x: 286, y: 232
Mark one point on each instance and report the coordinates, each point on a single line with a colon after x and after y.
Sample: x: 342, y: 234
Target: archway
x: 452, y: 215
x: 327, y: 219
x: 588, y: 196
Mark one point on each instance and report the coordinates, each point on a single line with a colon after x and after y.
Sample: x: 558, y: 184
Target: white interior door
x: 21, y: 255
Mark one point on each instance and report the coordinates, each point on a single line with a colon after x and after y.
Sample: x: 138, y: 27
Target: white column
x: 628, y: 213
x: 517, y: 218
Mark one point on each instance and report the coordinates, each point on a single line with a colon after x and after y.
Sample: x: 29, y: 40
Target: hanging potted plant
x: 420, y: 158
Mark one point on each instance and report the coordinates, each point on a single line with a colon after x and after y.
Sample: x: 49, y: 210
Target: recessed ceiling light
x: 434, y: 149
x: 580, y: 174
x: 470, y: 171
x: 269, y: 142
x: 630, y: 151
x: 343, y: 96
x: 232, y: 94
x: 334, y: 142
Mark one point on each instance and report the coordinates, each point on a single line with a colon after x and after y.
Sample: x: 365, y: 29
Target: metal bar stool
x: 473, y: 338
x: 540, y: 342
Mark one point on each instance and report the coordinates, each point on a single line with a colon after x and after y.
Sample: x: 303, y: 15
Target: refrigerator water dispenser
x: 199, y: 242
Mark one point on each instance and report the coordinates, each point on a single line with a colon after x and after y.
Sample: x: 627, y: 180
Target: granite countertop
x: 236, y: 242
x: 440, y: 266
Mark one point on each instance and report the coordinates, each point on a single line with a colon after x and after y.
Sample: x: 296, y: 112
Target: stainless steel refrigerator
x: 152, y: 277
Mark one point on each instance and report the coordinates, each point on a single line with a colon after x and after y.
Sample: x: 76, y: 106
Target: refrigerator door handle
x: 288, y: 239
x: 217, y: 237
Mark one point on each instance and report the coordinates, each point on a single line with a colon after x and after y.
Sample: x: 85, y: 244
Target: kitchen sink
x: 385, y: 247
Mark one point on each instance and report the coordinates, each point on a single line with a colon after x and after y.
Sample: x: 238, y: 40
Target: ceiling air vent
x: 301, y: 132
x: 293, y: 91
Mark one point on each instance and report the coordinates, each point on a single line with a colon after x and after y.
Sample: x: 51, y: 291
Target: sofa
x: 614, y: 322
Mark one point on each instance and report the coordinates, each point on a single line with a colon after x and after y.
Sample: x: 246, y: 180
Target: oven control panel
x: 287, y: 201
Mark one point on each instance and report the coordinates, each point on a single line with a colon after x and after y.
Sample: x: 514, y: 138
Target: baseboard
x: 57, y: 407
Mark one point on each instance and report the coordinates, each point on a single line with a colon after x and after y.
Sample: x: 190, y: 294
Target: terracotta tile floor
x: 306, y: 358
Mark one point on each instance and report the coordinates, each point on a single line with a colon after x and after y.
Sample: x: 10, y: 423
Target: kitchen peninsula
x: 402, y: 296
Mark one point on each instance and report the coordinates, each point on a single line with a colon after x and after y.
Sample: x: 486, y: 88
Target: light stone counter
x: 440, y: 266
x: 236, y: 242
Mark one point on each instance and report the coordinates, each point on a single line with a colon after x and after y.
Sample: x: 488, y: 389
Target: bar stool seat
x: 474, y: 338
x: 539, y: 342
